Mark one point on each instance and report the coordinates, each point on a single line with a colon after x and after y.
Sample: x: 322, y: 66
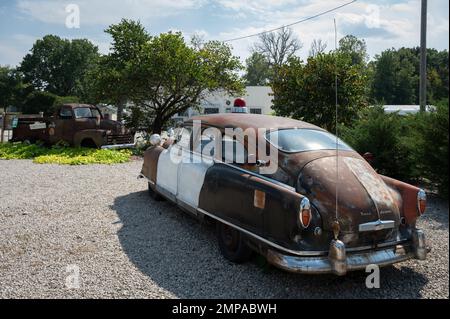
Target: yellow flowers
x: 63, y: 155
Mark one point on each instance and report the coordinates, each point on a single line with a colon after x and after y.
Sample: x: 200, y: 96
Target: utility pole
x: 423, y: 57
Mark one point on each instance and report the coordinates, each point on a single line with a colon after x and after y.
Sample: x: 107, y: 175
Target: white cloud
x: 397, y: 24
x: 382, y: 26
x: 97, y: 12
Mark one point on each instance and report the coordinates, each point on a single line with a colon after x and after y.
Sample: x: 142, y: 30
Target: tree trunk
x: 120, y: 106
x: 157, y: 125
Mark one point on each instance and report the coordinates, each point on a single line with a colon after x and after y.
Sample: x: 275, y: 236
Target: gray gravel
x: 126, y: 245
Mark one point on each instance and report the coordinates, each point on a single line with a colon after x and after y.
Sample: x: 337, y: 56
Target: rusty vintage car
x: 323, y: 208
x: 75, y: 124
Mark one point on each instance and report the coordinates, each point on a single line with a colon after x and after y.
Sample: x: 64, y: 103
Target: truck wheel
x: 232, y: 244
x: 154, y: 194
x: 89, y: 143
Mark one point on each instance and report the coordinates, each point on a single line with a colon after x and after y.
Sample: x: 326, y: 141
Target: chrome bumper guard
x: 117, y: 146
x: 339, y: 262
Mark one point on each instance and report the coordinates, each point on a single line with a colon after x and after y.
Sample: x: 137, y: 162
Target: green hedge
x: 409, y: 148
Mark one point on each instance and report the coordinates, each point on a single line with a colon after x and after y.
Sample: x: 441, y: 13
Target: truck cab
x: 76, y: 124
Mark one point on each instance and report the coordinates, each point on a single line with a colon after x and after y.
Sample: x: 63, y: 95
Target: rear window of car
x: 300, y: 140
x: 85, y: 112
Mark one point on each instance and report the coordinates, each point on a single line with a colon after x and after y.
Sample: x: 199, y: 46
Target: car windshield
x: 85, y: 112
x: 299, y: 140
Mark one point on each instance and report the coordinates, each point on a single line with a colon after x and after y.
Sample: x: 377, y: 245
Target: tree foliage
x: 58, y: 65
x: 388, y: 137
x: 257, y: 70
x: 112, y: 80
x: 9, y: 86
x: 409, y: 148
x: 46, y: 102
x: 355, y: 48
x: 163, y: 75
x: 396, y: 76
x: 173, y: 76
x: 306, y: 91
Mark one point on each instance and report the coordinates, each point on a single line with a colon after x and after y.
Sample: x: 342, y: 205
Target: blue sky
x: 383, y: 24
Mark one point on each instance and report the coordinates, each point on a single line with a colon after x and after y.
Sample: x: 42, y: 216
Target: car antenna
x: 336, y: 226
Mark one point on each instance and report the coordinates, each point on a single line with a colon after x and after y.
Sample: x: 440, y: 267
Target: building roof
x: 255, y: 121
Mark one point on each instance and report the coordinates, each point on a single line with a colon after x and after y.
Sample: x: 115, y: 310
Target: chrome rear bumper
x: 339, y: 262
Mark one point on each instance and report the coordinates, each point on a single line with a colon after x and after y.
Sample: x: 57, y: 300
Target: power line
x: 293, y: 23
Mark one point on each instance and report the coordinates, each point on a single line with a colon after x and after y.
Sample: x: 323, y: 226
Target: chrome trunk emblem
x: 376, y: 225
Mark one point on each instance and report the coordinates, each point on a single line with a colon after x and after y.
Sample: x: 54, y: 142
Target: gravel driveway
x: 99, y: 219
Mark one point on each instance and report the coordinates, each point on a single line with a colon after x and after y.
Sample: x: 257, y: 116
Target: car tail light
x: 304, y: 217
x: 421, y: 201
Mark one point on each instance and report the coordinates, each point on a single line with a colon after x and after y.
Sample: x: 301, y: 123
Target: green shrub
x: 433, y: 138
x: 408, y: 148
x: 63, y: 155
x: 389, y: 138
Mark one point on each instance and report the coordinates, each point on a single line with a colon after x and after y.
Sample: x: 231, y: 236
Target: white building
x: 406, y: 109
x: 258, y: 101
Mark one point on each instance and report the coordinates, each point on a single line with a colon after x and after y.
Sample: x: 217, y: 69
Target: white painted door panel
x: 191, y: 176
x: 167, y: 170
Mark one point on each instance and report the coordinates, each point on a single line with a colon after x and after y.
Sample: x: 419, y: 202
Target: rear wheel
x: 154, y: 194
x: 232, y: 244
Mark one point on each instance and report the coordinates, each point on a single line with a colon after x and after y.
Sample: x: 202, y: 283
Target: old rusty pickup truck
x: 76, y: 124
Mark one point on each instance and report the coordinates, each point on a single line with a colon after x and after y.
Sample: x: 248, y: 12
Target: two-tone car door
x: 192, y: 170
x: 231, y: 192
x: 168, y: 165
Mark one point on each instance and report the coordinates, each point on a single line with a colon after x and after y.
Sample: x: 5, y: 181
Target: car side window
x: 65, y: 112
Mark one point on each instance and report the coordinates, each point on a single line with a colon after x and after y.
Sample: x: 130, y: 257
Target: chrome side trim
x: 166, y: 193
x: 215, y: 160
x: 116, y: 146
x: 292, y: 189
x: 268, y: 242
x: 376, y: 225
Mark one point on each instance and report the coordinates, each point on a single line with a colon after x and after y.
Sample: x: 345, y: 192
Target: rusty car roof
x: 254, y: 121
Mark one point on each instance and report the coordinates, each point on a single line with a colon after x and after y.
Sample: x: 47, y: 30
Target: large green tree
x: 306, y: 91
x: 58, y: 65
x: 354, y: 47
x: 162, y: 75
x: 394, y: 79
x: 9, y: 82
x: 173, y: 76
x: 113, y: 80
x: 257, y: 70
x: 396, y: 76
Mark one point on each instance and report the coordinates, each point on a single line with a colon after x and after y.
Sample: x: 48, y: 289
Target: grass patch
x: 63, y: 155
